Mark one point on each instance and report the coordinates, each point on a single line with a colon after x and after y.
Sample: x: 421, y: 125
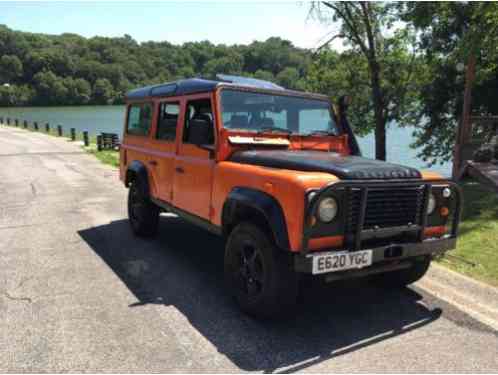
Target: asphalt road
x: 79, y: 293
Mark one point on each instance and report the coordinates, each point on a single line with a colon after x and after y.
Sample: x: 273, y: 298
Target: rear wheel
x: 142, y: 213
x: 258, y: 274
x: 407, y: 276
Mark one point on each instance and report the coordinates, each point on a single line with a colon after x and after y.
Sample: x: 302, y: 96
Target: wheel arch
x: 137, y: 170
x: 246, y: 204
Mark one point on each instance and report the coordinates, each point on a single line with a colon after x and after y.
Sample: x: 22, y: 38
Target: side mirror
x: 344, y: 102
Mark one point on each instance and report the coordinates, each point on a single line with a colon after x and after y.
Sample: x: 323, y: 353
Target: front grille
x: 386, y: 207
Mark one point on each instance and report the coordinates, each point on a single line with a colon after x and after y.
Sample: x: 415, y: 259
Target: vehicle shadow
x: 183, y: 267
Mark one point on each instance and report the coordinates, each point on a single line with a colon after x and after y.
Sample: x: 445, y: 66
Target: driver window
x: 198, y: 115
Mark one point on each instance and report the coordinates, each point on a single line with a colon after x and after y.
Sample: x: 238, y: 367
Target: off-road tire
x: 142, y: 213
x: 406, y: 276
x: 275, y: 293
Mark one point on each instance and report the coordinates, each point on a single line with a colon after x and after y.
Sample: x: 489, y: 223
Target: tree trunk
x: 380, y: 121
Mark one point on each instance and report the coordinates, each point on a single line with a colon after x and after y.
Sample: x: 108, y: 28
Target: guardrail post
x: 85, y: 138
x: 59, y: 130
x: 25, y: 124
x: 16, y: 122
x: 47, y: 127
x: 99, y: 143
x: 73, y: 134
x: 8, y: 120
x: 35, y: 125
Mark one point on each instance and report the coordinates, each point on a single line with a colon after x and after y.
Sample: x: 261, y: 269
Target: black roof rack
x: 181, y: 87
x: 198, y: 85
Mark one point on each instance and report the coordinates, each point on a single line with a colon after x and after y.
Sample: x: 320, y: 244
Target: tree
x: 289, y: 78
x: 103, y: 92
x: 60, y: 69
x: 10, y: 68
x: 367, y: 28
x: 451, y: 33
x: 50, y: 88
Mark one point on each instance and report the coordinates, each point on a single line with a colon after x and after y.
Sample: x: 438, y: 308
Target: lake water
x: 96, y: 119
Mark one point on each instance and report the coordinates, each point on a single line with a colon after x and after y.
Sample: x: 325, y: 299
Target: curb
x: 473, y: 297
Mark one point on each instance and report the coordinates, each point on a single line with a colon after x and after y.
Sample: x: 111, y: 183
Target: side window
x: 167, y: 120
x: 199, y: 128
x: 139, y: 119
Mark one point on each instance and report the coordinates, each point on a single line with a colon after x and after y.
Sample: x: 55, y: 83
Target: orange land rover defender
x: 279, y: 174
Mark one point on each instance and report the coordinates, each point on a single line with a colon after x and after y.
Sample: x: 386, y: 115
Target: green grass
x: 109, y: 157
x: 478, y: 234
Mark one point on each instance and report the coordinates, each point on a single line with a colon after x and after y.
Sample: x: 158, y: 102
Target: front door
x: 194, y: 165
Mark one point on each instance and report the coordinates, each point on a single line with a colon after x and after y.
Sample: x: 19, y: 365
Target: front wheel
x: 407, y: 276
x: 258, y: 274
x: 142, y: 213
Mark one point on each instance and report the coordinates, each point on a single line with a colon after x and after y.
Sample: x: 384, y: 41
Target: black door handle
x: 179, y: 170
x: 153, y: 162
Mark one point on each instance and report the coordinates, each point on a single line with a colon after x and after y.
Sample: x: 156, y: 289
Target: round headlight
x: 446, y: 192
x: 327, y: 209
x: 431, y: 205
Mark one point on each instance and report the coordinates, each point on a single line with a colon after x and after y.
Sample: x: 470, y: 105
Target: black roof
x: 196, y: 85
x: 182, y: 87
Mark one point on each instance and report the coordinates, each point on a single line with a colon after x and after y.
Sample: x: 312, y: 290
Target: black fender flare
x: 139, y: 171
x: 262, y: 202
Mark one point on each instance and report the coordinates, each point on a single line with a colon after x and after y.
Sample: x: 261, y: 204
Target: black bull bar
x: 364, y: 186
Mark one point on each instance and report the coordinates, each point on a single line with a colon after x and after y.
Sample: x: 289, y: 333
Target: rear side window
x: 167, y: 121
x: 139, y: 119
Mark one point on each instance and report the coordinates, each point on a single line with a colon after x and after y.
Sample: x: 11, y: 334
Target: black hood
x: 344, y: 167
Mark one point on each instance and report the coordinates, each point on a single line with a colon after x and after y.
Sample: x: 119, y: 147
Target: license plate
x: 340, y: 261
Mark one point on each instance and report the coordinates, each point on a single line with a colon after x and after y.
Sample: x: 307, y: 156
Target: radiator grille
x: 387, y: 207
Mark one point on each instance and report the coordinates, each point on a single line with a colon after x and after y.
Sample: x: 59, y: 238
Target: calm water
x: 96, y: 119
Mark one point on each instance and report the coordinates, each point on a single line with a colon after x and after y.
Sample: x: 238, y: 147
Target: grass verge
x: 109, y: 157
x: 478, y: 234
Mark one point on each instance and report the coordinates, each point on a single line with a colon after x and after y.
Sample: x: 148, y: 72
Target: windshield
x: 262, y: 112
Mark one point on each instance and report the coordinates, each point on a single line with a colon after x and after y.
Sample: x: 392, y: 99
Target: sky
x: 175, y: 22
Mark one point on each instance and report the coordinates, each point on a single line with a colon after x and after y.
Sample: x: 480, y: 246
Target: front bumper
x: 384, y: 258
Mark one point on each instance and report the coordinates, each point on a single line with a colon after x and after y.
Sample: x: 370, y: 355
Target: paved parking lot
x: 79, y: 293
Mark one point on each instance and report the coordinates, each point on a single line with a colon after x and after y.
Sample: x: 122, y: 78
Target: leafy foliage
x: 379, y: 69
x: 67, y: 69
x: 449, y: 33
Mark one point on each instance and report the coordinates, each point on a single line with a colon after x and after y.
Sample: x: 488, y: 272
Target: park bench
x: 108, y: 141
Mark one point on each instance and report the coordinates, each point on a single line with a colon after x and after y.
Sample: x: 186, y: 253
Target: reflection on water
x: 96, y: 119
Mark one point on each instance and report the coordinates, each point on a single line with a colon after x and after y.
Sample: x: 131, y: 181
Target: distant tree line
x: 67, y: 69
x: 399, y: 65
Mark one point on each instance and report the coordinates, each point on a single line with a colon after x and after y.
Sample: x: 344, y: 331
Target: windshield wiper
x: 273, y: 129
x: 321, y: 132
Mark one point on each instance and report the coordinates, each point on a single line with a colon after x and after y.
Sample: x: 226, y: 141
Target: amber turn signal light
x: 444, y: 211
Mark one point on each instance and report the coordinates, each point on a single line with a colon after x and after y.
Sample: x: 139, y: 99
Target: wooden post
x: 73, y: 134
x: 25, y: 124
x: 85, y: 138
x: 464, y: 131
x: 35, y: 125
x: 99, y: 143
x: 16, y: 122
x: 47, y: 127
x: 8, y: 120
x: 59, y: 130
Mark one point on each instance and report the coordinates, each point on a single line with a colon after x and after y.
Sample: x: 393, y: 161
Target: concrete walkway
x: 79, y: 293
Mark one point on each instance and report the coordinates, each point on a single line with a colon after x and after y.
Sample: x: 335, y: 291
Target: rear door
x: 194, y: 165
x: 136, y: 140
x: 163, y: 149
